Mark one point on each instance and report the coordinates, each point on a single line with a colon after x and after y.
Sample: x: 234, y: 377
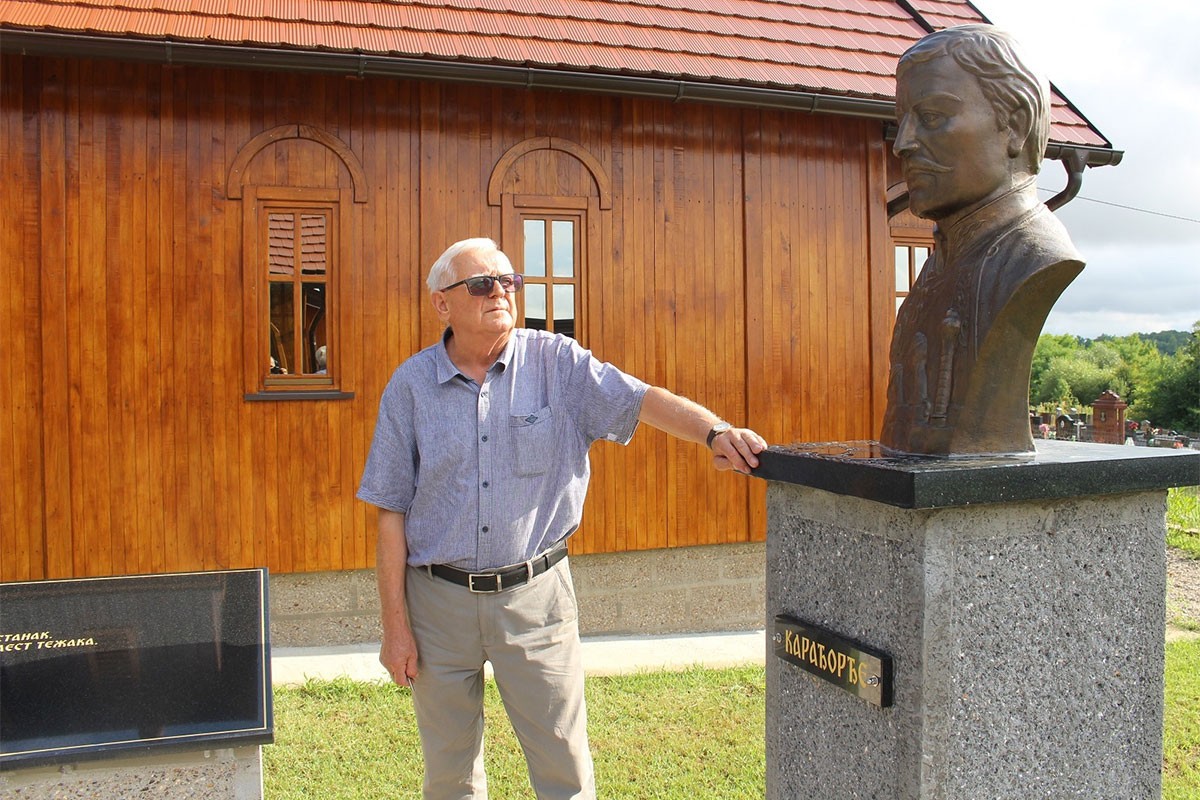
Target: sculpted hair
x: 442, y: 272
x: 994, y: 58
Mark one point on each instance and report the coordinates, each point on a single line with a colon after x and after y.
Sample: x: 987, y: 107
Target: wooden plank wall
x: 741, y: 264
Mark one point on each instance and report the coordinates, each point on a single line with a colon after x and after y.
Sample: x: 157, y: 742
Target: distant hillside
x: 1167, y: 342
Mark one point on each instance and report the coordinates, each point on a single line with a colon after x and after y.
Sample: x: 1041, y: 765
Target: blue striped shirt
x: 492, y: 475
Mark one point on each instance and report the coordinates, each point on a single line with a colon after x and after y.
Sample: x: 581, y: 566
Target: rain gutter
x: 42, y: 43
x: 39, y: 43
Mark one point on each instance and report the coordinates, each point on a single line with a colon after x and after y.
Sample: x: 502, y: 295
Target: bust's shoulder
x: 1034, y: 254
x: 1040, y: 238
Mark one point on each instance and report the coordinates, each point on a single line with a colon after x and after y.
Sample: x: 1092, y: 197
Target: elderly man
x: 479, y: 468
x: 973, y: 124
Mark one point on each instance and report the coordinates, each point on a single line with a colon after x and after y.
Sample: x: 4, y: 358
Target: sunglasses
x: 481, y: 285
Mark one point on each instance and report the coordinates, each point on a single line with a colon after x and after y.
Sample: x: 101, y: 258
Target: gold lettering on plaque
x: 40, y: 640
x: 841, y: 665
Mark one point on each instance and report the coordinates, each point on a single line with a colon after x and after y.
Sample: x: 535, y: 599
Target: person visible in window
x: 479, y: 468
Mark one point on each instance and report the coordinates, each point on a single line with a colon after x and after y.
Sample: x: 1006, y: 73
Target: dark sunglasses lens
x: 480, y: 286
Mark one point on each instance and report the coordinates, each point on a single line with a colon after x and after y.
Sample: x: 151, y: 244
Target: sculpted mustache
x: 925, y: 166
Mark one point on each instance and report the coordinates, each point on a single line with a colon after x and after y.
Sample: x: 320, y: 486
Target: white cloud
x: 1136, y: 77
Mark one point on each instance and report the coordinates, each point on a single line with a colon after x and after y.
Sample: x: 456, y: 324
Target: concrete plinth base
x: 218, y: 774
x: 1026, y: 639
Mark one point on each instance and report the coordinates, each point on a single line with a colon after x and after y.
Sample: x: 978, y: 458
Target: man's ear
x: 1020, y: 128
x: 440, y: 305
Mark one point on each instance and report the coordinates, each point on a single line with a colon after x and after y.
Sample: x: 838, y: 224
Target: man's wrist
x: 715, y: 431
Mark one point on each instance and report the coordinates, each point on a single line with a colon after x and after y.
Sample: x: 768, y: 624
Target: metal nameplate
x: 859, y: 670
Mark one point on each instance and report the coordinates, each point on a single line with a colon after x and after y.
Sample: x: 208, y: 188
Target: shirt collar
x: 446, y: 371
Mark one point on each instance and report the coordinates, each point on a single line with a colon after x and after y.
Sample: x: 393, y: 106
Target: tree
x: 1067, y: 366
x: 1138, y: 358
x: 1079, y: 372
x: 1171, y: 396
x: 1049, y: 347
x: 1167, y: 342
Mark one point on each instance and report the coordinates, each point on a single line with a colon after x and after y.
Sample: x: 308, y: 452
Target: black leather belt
x: 495, y: 580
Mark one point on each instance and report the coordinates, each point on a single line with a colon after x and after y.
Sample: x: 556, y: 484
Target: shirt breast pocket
x: 533, y: 439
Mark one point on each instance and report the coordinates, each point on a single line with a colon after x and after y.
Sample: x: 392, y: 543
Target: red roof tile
x: 839, y: 47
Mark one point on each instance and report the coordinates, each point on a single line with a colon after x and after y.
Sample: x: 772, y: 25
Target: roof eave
x: 46, y: 43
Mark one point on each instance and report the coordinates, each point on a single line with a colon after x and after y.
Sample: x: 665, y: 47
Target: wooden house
x: 216, y: 220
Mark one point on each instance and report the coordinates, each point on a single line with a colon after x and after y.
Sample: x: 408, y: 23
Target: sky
x: 1133, y: 69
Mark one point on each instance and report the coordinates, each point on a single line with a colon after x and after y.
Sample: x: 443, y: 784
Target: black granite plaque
x: 859, y: 670
x: 95, y: 666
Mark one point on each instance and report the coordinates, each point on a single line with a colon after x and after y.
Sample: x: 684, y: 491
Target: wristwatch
x: 716, y: 431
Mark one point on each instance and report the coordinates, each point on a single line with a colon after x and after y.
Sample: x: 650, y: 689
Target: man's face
x: 466, y: 314
x: 949, y: 144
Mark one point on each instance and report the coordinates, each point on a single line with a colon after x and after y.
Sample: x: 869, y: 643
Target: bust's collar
x: 963, y: 227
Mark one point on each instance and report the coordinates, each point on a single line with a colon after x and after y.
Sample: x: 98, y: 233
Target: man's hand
x: 398, y: 654
x: 737, y: 449
x: 734, y: 449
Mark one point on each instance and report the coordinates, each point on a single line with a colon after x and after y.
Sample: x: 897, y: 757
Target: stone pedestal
x: 1021, y: 604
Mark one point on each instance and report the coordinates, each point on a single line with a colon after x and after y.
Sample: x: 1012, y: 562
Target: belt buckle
x: 471, y: 582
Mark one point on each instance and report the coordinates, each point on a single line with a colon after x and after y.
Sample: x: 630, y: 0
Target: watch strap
x: 716, y: 431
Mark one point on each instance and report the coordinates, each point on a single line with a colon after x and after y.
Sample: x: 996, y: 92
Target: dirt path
x: 1183, y: 596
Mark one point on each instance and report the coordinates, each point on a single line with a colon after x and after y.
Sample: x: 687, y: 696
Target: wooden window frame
x: 586, y: 212
x: 257, y: 204
x: 909, y: 239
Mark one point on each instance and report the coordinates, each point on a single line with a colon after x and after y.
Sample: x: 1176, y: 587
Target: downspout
x: 1074, y: 162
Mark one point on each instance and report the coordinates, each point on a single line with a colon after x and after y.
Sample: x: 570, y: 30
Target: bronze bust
x: 973, y: 125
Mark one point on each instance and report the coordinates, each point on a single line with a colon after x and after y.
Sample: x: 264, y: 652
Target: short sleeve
x: 390, y: 477
x: 606, y: 401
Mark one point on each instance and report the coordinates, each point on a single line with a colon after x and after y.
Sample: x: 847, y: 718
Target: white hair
x: 442, y: 273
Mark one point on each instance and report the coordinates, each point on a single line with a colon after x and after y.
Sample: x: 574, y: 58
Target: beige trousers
x: 530, y: 634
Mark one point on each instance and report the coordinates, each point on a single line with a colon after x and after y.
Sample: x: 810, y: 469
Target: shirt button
x: 485, y: 438
x: 485, y: 484
x: 485, y: 528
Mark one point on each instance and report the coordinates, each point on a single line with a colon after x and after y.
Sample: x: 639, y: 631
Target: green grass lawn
x: 655, y: 736
x: 1181, y: 733
x: 1183, y: 520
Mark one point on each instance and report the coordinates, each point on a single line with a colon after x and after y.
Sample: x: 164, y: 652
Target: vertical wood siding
x: 743, y: 263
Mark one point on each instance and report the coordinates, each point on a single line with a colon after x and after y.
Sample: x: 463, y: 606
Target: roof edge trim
x: 39, y: 43
x: 42, y: 43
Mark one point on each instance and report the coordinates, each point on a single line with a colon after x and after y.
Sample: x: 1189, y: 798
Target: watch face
x: 717, y: 430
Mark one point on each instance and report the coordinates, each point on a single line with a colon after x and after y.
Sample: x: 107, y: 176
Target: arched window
x: 295, y: 257
x: 551, y: 229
